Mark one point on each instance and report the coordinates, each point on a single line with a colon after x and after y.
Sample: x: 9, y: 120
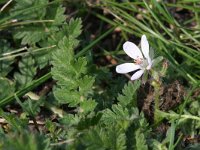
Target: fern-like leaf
x: 44, y: 20
x: 104, y: 138
x: 140, y: 140
x: 5, y: 64
x: 129, y: 94
x: 73, y: 85
x: 118, y: 116
x: 27, y: 71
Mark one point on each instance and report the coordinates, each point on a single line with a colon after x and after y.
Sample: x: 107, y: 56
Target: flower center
x: 138, y: 61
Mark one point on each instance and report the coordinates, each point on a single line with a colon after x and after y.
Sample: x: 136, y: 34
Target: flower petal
x: 149, y: 62
x: 132, y: 50
x: 137, y: 75
x: 126, y: 67
x: 149, y: 66
x: 145, y: 47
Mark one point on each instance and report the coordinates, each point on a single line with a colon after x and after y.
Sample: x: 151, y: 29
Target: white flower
x: 142, y: 60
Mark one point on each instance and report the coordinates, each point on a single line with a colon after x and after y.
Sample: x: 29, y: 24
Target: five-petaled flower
x: 142, y: 60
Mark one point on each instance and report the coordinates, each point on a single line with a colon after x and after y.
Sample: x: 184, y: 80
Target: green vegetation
x: 58, y: 83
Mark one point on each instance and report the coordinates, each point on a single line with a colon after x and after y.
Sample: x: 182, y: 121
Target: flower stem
x: 156, y: 83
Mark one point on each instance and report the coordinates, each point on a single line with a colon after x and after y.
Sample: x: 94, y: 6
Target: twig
x: 35, y: 124
x: 3, y: 121
x: 4, y: 6
x: 62, y: 142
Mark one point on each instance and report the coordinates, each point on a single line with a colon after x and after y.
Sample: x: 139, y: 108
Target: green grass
x: 162, y: 38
